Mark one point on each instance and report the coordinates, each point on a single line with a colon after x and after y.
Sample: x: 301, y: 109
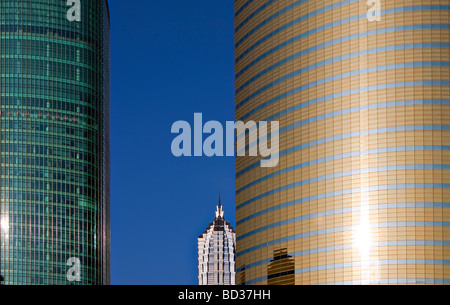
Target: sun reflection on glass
x: 4, y: 224
x: 362, y: 237
x: 362, y: 240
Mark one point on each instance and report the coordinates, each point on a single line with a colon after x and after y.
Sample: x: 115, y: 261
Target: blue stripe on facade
x: 322, y: 10
x: 242, y: 7
x: 344, y: 93
x: 347, y: 155
x: 343, y: 211
x: 342, y: 112
x: 288, y: 25
x: 372, y: 263
x: 343, y: 156
x: 286, y: 9
x: 396, y: 281
x: 347, y: 56
x: 345, y: 174
x: 350, y: 246
x: 351, y: 135
x: 335, y: 23
x: 349, y: 110
x: 343, y: 229
x: 343, y: 192
x: 256, y: 12
x: 404, y: 65
x: 342, y: 39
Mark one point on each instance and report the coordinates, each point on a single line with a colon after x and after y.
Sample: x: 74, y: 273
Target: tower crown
x: 216, y: 252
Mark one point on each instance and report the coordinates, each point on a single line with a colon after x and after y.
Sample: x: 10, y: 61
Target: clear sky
x: 170, y: 59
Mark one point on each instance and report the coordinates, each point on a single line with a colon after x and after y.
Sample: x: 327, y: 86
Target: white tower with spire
x: 216, y: 252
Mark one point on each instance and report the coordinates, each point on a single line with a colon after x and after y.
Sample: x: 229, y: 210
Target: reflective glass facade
x: 54, y: 115
x: 362, y: 191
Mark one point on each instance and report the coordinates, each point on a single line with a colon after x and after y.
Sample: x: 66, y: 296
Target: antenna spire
x: 219, y: 212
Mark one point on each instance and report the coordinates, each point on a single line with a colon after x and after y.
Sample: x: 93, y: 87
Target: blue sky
x: 170, y: 59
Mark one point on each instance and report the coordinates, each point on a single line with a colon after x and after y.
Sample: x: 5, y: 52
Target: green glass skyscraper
x: 54, y: 114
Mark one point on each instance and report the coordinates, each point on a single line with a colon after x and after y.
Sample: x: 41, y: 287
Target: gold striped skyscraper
x: 361, y: 194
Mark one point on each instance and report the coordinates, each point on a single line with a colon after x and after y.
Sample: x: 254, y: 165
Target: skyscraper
x: 361, y: 89
x: 216, y: 252
x: 54, y: 142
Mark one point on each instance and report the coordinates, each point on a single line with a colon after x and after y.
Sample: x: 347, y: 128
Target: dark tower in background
x: 281, y: 269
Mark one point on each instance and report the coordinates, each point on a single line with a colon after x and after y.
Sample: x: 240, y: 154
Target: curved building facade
x: 54, y: 115
x: 361, y: 194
